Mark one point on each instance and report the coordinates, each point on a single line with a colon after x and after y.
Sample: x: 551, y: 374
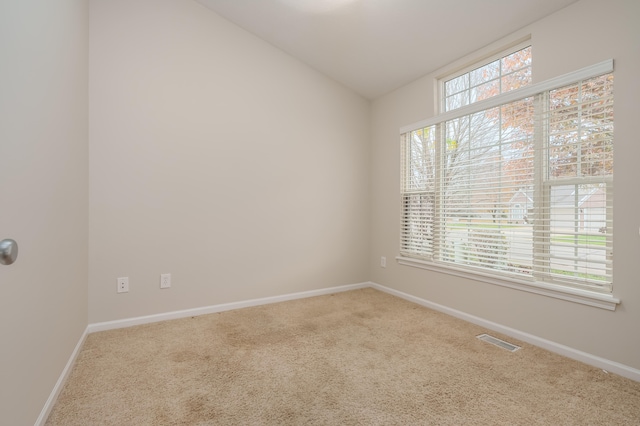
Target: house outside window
x: 514, y: 180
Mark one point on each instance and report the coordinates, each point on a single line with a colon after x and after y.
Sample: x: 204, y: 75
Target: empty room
x: 319, y: 212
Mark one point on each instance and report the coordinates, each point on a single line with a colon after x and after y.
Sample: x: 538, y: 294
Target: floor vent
x: 495, y: 341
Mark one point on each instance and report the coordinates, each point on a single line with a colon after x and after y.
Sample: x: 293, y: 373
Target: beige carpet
x: 357, y: 358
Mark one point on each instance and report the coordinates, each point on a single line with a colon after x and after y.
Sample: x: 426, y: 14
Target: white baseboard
x: 53, y: 397
x: 129, y: 322
x: 593, y: 360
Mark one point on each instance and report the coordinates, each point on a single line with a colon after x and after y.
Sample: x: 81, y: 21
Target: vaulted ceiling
x: 376, y: 46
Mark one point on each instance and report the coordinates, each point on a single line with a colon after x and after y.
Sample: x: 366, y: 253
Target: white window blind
x: 519, y: 185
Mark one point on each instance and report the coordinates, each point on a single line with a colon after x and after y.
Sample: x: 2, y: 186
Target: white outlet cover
x: 123, y: 285
x: 165, y: 280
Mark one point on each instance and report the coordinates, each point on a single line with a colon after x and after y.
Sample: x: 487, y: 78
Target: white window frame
x: 578, y: 295
x: 440, y: 102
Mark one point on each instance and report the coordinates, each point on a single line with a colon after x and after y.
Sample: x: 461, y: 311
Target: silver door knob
x: 8, y: 251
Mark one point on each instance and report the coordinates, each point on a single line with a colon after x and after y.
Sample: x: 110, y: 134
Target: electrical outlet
x: 123, y: 285
x: 165, y: 280
x: 383, y: 262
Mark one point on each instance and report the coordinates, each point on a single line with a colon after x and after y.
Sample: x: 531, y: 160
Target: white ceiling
x: 376, y: 46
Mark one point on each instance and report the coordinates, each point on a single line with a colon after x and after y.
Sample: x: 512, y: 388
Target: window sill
x: 590, y: 298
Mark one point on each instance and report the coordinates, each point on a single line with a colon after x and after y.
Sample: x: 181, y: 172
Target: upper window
x: 508, y: 72
x: 518, y: 187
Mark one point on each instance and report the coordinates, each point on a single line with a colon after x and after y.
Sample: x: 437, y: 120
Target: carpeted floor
x: 356, y: 358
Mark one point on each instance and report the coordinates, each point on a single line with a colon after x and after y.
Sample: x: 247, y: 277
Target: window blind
x: 519, y: 185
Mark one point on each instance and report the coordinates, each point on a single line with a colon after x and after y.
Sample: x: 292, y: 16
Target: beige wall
x: 580, y: 35
x: 43, y: 197
x: 219, y: 159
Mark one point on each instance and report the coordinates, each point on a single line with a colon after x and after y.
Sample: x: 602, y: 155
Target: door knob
x: 8, y: 251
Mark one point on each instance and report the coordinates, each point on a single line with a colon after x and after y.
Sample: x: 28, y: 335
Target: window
x: 518, y: 187
x: 505, y: 73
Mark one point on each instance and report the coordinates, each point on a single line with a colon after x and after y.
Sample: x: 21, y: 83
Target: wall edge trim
x: 569, y: 352
x: 57, y: 388
x: 147, y: 319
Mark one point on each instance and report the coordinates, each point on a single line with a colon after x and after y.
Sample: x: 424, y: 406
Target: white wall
x: 43, y: 197
x: 219, y: 159
x: 582, y: 34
